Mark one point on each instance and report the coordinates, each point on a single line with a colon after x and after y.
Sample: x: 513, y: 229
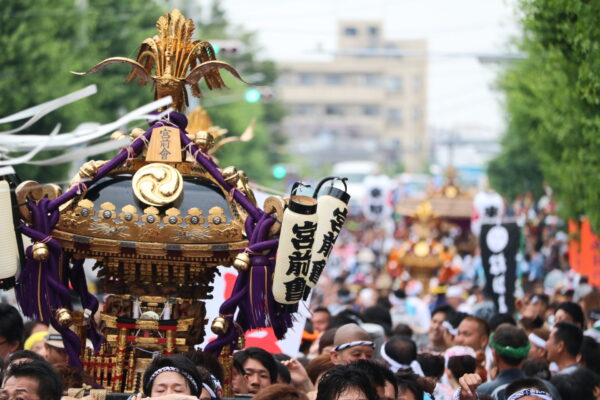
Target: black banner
x: 499, y: 245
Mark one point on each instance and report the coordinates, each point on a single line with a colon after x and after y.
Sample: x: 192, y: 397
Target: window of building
x: 373, y: 31
x: 307, y: 79
x: 373, y: 80
x: 416, y: 83
x: 395, y: 115
x: 333, y: 79
x: 303, y: 109
x: 350, y: 31
x: 371, y: 110
x: 334, y: 110
x: 395, y: 84
x: 416, y: 114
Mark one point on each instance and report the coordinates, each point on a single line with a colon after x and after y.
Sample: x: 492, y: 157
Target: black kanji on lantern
x: 294, y: 289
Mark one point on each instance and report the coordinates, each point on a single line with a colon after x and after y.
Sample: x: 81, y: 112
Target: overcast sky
x: 460, y: 88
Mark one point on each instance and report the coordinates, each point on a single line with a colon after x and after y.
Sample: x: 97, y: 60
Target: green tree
x: 553, y: 100
x: 42, y: 40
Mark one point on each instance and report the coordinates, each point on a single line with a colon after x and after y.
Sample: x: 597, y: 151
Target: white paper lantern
x: 296, y: 240
x: 332, y: 209
x: 9, y: 247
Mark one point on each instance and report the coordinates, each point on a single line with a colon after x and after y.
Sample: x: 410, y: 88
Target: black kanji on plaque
x: 294, y: 289
x: 317, y: 269
x: 304, y: 235
x: 299, y: 263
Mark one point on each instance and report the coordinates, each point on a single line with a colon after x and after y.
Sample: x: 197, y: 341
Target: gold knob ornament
x: 63, y: 316
x: 40, y: 251
x: 219, y: 326
x: 242, y: 262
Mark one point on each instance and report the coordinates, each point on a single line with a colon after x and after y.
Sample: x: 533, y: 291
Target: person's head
x: 280, y: 391
x: 564, y: 342
x: 398, y: 353
x: 345, y: 383
x: 351, y: 343
x: 526, y: 389
x: 409, y: 387
x: 379, y: 315
x: 501, y: 318
x: 450, y: 325
x: 569, y: 312
x: 239, y: 384
x: 381, y: 378
x: 11, y: 330
x: 208, y: 361
x: 260, y: 368
x: 283, y: 374
x: 473, y: 332
x: 534, y: 306
x: 403, y: 330
x: 320, y: 319
x: 432, y: 364
x: 459, y: 365
x: 579, y: 384
x: 317, y: 366
x: 326, y: 341
x: 590, y: 354
x: 538, y: 339
x: 510, y: 346
x: 536, y: 368
x: 436, y: 329
x: 589, y: 303
x: 35, y: 380
x: 20, y: 356
x: 171, y: 374
x: 35, y: 343
x: 70, y: 376
x: 55, y: 352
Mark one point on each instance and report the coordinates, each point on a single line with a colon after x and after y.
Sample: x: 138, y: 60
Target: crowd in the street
x: 373, y: 334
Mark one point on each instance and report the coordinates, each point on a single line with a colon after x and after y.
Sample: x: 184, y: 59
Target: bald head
x: 351, y: 343
x: 350, y: 333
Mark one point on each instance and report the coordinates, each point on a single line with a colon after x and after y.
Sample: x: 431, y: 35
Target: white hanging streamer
x: 37, y: 112
x: 16, y: 143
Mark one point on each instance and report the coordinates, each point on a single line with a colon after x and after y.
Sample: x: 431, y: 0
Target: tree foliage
x: 42, y: 40
x: 553, y: 106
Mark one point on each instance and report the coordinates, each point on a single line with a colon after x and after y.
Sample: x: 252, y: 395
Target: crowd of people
x: 373, y: 334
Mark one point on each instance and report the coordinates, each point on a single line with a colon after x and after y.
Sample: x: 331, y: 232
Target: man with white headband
x: 400, y: 354
x: 522, y: 389
x: 351, y: 343
x: 538, y: 338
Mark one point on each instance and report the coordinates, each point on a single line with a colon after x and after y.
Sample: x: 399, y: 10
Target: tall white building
x: 367, y: 103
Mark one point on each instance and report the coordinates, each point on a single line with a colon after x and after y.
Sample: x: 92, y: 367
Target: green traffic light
x: 216, y: 48
x: 279, y: 172
x: 252, y: 95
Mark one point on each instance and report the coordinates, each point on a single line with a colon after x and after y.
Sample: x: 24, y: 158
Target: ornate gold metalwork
x: 242, y: 262
x: 275, y: 205
x: 219, y: 326
x: 157, y: 184
x: 166, y: 58
x: 40, y: 251
x: 244, y: 186
x: 33, y: 191
x: 63, y: 316
x: 204, y: 140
